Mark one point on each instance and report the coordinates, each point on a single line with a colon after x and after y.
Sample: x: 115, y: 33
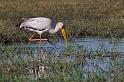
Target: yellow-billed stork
x: 41, y: 25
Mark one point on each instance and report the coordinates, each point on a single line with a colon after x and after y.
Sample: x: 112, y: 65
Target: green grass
x: 84, y: 17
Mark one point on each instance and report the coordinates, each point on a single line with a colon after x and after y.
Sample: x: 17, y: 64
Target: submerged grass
x: 83, y: 17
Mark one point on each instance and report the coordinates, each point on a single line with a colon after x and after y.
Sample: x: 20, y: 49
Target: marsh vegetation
x: 83, y: 18
x: 21, y: 63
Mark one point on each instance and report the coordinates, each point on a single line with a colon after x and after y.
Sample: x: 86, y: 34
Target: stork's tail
x: 21, y: 21
x: 18, y: 24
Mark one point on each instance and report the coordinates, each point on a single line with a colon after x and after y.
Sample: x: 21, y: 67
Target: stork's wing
x: 37, y: 24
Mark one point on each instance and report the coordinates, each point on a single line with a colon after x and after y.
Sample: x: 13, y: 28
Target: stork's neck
x: 54, y: 30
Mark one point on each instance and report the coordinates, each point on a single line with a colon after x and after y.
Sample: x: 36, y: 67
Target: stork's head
x: 62, y: 29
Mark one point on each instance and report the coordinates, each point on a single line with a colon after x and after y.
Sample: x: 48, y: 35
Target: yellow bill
x: 65, y: 36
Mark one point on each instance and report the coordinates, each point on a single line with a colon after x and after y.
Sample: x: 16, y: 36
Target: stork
x: 41, y: 25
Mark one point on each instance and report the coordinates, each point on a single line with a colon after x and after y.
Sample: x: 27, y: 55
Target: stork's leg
x: 30, y: 38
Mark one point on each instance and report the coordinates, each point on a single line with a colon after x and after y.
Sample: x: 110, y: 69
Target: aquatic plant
x: 19, y: 63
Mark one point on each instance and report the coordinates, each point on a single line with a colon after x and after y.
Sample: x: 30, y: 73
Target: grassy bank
x: 84, y: 17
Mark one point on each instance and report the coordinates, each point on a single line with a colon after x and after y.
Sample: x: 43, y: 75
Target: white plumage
x: 41, y: 25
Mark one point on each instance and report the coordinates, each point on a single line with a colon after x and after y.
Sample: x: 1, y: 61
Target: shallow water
x: 90, y: 44
x: 97, y: 65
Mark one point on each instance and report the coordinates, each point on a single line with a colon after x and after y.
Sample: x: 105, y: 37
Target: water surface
x: 90, y: 44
